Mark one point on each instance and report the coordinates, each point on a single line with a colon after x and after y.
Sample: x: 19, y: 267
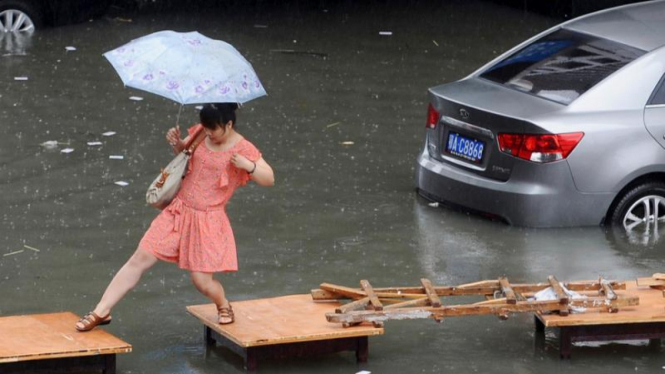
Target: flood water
x: 339, y: 212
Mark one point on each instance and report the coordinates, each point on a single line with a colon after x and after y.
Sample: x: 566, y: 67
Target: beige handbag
x: 164, y: 188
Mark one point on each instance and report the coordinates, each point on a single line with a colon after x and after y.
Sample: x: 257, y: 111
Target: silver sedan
x: 565, y: 129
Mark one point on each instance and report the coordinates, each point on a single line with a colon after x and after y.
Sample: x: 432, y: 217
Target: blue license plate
x: 467, y: 148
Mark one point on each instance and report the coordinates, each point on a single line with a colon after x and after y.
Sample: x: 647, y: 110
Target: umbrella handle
x: 177, y: 119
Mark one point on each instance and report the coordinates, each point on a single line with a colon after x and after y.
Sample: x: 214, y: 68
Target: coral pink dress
x: 194, y: 231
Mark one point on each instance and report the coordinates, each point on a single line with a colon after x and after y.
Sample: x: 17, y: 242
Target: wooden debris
x: 431, y: 293
x: 432, y: 297
x: 473, y: 309
x: 326, y: 291
x: 359, y: 304
x: 507, y: 290
x: 373, y: 299
x: 376, y: 305
x: 560, y: 293
x: 374, y: 302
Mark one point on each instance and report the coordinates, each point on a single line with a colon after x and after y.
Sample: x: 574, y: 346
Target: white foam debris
x: 70, y: 48
x: 50, y: 144
x: 116, y: 157
x: 94, y: 143
x: 135, y: 98
x: 385, y: 33
x: 109, y: 133
x: 67, y: 150
x: 549, y: 294
x: 121, y: 183
x: 20, y: 78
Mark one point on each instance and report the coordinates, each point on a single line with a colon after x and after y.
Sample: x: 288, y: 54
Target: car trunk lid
x: 472, y: 113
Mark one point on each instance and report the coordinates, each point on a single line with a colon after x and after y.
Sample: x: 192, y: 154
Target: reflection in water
x: 15, y: 43
x: 644, y: 248
x: 645, y: 234
x: 456, y: 248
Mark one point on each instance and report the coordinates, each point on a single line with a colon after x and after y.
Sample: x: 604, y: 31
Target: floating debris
x: 136, y: 98
x: 67, y: 150
x: 435, y: 43
x: 385, y: 33
x: 31, y: 248
x: 20, y: 78
x: 121, y: 183
x: 70, y: 48
x: 333, y: 124
x: 94, y: 143
x: 294, y: 52
x: 13, y: 253
x: 348, y: 142
x: 434, y: 205
x: 109, y: 133
x: 50, y: 144
x: 116, y: 157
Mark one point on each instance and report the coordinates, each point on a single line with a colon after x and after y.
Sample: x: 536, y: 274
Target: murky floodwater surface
x: 340, y: 211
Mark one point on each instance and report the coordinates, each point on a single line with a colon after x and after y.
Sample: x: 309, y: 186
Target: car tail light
x: 539, y: 148
x: 432, y: 117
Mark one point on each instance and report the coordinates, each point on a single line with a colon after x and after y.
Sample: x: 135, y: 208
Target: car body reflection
x: 455, y: 248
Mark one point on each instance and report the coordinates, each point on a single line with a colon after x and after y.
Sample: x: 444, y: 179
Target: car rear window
x: 562, y: 65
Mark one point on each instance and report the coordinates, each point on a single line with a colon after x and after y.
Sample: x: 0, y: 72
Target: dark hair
x: 218, y: 115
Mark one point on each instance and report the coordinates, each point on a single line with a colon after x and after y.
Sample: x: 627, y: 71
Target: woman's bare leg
x: 126, y: 278
x: 210, y: 287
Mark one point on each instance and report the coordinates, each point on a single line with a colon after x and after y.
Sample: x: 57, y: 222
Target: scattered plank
x: 376, y: 305
x: 409, y: 304
x: 473, y: 309
x: 359, y: 304
x: 373, y: 299
x: 507, y: 290
x: 476, y: 288
x: 431, y: 293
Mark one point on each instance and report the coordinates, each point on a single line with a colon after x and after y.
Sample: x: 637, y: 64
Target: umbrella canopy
x: 188, y: 68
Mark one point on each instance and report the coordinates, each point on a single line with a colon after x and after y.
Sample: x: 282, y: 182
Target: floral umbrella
x: 188, y: 68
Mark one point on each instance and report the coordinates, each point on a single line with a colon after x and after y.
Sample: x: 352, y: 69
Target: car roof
x: 640, y: 25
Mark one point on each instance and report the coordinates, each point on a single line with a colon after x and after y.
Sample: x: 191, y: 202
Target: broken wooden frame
x: 377, y: 305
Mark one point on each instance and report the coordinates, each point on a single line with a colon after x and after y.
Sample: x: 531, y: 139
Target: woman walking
x: 193, y: 231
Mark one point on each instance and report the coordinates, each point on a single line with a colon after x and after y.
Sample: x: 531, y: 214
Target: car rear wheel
x: 641, y: 209
x: 18, y: 16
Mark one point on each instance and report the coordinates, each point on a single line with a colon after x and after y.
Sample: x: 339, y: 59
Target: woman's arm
x: 259, y: 171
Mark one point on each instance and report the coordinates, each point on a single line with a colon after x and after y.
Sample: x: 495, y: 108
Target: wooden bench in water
x: 281, y: 327
x: 643, y: 321
x: 49, y: 342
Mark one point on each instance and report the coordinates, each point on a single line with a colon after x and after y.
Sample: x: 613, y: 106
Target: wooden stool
x: 282, y: 327
x: 45, y: 342
x: 643, y: 321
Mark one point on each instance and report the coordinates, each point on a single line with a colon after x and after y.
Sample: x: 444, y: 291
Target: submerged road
x: 342, y: 124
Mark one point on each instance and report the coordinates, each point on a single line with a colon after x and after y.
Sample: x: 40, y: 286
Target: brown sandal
x: 92, y: 320
x: 225, y: 313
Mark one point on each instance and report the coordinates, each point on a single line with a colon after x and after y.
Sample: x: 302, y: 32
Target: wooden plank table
x: 49, y: 342
x: 281, y: 327
x: 644, y: 321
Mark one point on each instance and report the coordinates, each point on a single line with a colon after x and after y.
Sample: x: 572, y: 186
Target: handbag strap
x: 196, y: 140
